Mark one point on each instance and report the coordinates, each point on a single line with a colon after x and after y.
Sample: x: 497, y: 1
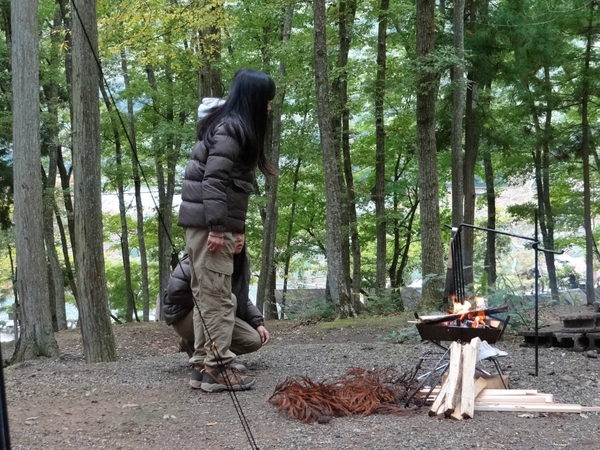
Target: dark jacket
x: 179, y: 301
x: 217, y: 185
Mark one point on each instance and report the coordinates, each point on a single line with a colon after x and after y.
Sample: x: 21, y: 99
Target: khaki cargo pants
x: 211, y: 286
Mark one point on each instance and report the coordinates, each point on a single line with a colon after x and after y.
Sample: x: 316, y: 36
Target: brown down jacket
x: 217, y: 185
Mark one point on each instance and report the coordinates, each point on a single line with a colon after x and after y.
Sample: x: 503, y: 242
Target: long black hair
x: 244, y: 113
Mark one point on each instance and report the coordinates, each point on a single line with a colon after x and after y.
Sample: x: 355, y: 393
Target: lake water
x: 6, y: 324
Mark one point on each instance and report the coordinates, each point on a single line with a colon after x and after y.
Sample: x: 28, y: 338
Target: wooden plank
x: 590, y: 408
x: 517, y: 400
x: 511, y: 392
x: 541, y: 407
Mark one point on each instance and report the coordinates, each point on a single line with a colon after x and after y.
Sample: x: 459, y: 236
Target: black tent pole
x: 4, y: 434
x: 537, y: 278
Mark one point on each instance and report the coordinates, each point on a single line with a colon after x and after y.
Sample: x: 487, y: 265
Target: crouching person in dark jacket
x: 249, y: 333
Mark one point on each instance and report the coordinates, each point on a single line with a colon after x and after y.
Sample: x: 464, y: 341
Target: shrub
x: 389, y: 302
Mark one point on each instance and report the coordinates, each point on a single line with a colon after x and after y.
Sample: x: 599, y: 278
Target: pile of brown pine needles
x: 358, y: 391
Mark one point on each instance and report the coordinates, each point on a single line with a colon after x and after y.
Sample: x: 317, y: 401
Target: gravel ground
x: 143, y: 401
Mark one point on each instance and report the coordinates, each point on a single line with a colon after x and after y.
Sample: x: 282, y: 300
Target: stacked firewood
x: 456, y: 397
x: 461, y: 393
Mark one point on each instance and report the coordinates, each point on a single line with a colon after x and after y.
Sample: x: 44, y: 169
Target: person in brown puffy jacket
x: 249, y: 332
x: 217, y: 183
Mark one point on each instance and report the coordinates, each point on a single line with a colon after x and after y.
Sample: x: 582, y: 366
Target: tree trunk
x: 267, y: 280
x: 585, y: 155
x: 337, y: 277
x: 401, y: 251
x: 65, y: 182
x: 13, y: 277
x: 125, y: 253
x: 542, y: 178
x: 336, y: 103
x: 55, y: 274
x: 139, y: 207
x: 432, y: 265
x: 166, y: 162
x: 288, y: 241
x: 209, y: 77
x: 347, y: 14
x: 37, y: 338
x: 490, y: 248
x: 51, y: 94
x: 471, y: 149
x: 380, y: 176
x: 96, y: 329
x: 458, y: 107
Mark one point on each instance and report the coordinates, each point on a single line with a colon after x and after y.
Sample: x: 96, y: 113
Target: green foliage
x: 507, y: 49
x: 405, y: 334
x: 389, y: 302
x: 317, y: 310
x: 115, y: 280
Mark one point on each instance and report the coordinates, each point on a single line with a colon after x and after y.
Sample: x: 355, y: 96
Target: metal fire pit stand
x: 435, y: 375
x: 535, y: 246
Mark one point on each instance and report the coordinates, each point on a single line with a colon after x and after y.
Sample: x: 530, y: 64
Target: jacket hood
x: 207, y: 105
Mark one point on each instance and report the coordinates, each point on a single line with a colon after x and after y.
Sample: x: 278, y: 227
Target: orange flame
x: 467, y: 310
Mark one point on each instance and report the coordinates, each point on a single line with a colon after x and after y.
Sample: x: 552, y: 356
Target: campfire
x: 469, y: 316
x: 463, y: 322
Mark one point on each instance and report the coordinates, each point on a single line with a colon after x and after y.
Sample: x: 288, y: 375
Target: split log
x: 439, y: 399
x: 469, y: 352
x: 457, y: 413
x: 454, y: 377
x: 438, y: 407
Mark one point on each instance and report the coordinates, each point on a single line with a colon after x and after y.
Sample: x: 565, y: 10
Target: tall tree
x: 337, y: 278
x: 458, y: 107
x: 380, y: 178
x: 432, y: 266
x: 119, y: 181
x: 66, y: 173
x: 470, y: 159
x: 341, y: 130
x: 490, y: 249
x: 37, y: 338
x: 94, y: 315
x: 137, y: 182
x: 586, y: 88
x: 267, y: 281
x: 50, y: 147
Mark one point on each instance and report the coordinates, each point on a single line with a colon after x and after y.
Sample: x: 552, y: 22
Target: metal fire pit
x: 441, y: 332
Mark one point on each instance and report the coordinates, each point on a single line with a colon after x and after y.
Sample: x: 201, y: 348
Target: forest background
x: 388, y: 115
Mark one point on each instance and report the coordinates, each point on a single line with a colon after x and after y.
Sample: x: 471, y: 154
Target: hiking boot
x: 227, y: 378
x: 240, y: 367
x: 196, y: 377
x: 186, y: 346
